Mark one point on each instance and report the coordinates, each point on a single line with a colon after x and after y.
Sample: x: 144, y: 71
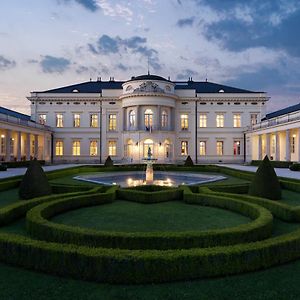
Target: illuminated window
x: 59, y: 120
x: 148, y: 143
x: 76, y: 148
x: 112, y: 148
x: 202, y: 120
x: 12, y: 146
x: 220, y: 147
x: 293, y: 143
x: 184, y: 148
x: 42, y: 119
x: 32, y: 147
x: 93, y: 148
x: 273, y: 144
x: 236, y: 148
x: 164, y: 119
x: 132, y: 118
x: 184, y: 122
x: 112, y: 122
x: 220, y: 120
x: 202, y: 148
x: 236, y: 120
x: 253, y: 119
x: 94, y: 120
x: 59, y: 148
x: 76, y: 120
x: 3, y: 144
x: 148, y: 119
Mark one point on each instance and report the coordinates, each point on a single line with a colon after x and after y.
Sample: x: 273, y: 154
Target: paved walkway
x: 279, y: 171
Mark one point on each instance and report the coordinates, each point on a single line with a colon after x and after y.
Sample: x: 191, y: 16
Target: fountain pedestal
x: 149, y: 173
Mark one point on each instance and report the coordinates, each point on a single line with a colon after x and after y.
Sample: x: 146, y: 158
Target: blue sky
x: 250, y: 44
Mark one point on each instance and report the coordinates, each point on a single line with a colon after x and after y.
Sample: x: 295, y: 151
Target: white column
x: 36, y: 146
x: 259, y: 147
x: 277, y: 155
x: 19, y: 146
x: 287, y: 145
x: 268, y: 137
x: 298, y: 144
x: 8, y: 148
x: 28, y: 146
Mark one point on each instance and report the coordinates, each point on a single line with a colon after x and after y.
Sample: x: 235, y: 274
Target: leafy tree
x: 35, y: 182
x: 265, y: 182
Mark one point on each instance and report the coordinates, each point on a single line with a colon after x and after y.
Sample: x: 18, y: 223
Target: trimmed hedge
x: 295, y: 167
x: 274, y: 163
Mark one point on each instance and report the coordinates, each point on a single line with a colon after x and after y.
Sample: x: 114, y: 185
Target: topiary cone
x: 35, y: 182
x: 265, y: 183
x: 188, y: 162
x: 108, y: 162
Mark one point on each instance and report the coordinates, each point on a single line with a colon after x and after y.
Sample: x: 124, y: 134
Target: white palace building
x: 86, y: 122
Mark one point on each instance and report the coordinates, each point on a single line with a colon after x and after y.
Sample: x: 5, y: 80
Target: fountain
x: 149, y: 169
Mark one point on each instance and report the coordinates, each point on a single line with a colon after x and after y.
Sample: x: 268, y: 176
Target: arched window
x: 132, y: 118
x: 164, y: 119
x: 129, y: 88
x: 148, y: 117
x: 148, y: 143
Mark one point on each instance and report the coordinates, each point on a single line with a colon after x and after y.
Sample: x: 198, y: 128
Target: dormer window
x: 168, y: 88
x: 75, y: 91
x: 221, y: 91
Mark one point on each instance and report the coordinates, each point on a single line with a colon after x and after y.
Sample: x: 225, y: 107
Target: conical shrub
x: 188, y: 162
x: 35, y: 182
x: 265, y: 182
x: 108, y: 162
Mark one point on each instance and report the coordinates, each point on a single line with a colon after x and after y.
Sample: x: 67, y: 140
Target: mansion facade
x: 123, y: 119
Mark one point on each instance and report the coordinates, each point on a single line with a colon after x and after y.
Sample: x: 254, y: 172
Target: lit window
x: 12, y: 145
x: 220, y: 120
x: 94, y: 120
x: 202, y: 148
x: 148, y: 143
x: 76, y: 122
x: 293, y: 143
x: 132, y: 118
x: 3, y: 144
x: 76, y: 148
x: 236, y: 120
x: 220, y: 147
x: 93, y: 148
x: 253, y: 119
x: 184, y: 148
x: 32, y: 147
x: 202, y: 120
x: 59, y: 148
x: 184, y: 122
x: 164, y: 119
x: 236, y: 148
x: 59, y: 120
x: 42, y: 119
x: 273, y: 144
x: 148, y: 119
x: 112, y: 148
x: 112, y: 122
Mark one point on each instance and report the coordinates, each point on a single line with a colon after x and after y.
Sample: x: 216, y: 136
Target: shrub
x: 188, y: 162
x: 295, y: 167
x: 108, y: 162
x: 35, y: 182
x: 274, y: 163
x: 3, y: 167
x: 265, y: 183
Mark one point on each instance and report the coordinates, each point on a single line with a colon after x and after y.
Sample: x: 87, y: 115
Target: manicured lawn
x: 167, y: 216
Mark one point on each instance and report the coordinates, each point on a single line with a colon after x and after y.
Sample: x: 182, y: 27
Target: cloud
x: 122, y: 67
x: 91, y: 5
x: 186, y: 73
x: 6, y: 63
x: 185, y: 22
x: 118, y: 10
x: 51, y: 64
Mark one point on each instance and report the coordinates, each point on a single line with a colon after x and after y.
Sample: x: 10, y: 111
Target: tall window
x: 59, y: 148
x: 76, y: 148
x: 184, y: 122
x: 273, y: 144
x: 148, y: 119
x: 32, y: 147
x: 220, y: 145
x: 3, y: 144
x: 42, y: 119
x: 202, y: 120
x: 93, y: 120
x: 202, y: 148
x: 184, y: 148
x: 112, y: 122
x: 253, y: 119
x: 220, y: 120
x: 76, y: 120
x: 236, y: 120
x: 164, y: 119
x: 93, y: 148
x: 236, y: 148
x: 112, y: 148
x: 59, y: 120
x: 293, y: 143
x: 132, y: 118
x: 148, y: 143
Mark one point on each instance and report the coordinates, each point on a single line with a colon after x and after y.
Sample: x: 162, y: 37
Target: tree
x: 108, y: 162
x: 265, y: 183
x: 188, y: 162
x: 35, y: 182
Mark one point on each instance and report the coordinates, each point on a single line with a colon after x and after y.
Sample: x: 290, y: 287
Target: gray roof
x: 98, y: 86
x: 283, y: 111
x: 13, y: 113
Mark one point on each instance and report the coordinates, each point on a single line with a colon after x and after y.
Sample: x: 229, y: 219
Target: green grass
x: 290, y: 197
x: 167, y: 216
x: 9, y: 197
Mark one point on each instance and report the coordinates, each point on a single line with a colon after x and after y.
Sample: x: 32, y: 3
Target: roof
x: 98, y: 86
x: 15, y: 114
x: 283, y: 111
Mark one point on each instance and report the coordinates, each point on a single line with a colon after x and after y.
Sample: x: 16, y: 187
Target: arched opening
x: 148, y: 143
x: 132, y: 118
x: 164, y: 119
x: 148, y: 119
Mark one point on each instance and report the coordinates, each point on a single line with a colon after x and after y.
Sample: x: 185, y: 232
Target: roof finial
x: 205, y: 72
x: 148, y: 66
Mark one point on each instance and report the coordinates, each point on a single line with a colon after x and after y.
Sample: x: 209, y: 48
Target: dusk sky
x: 251, y: 44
